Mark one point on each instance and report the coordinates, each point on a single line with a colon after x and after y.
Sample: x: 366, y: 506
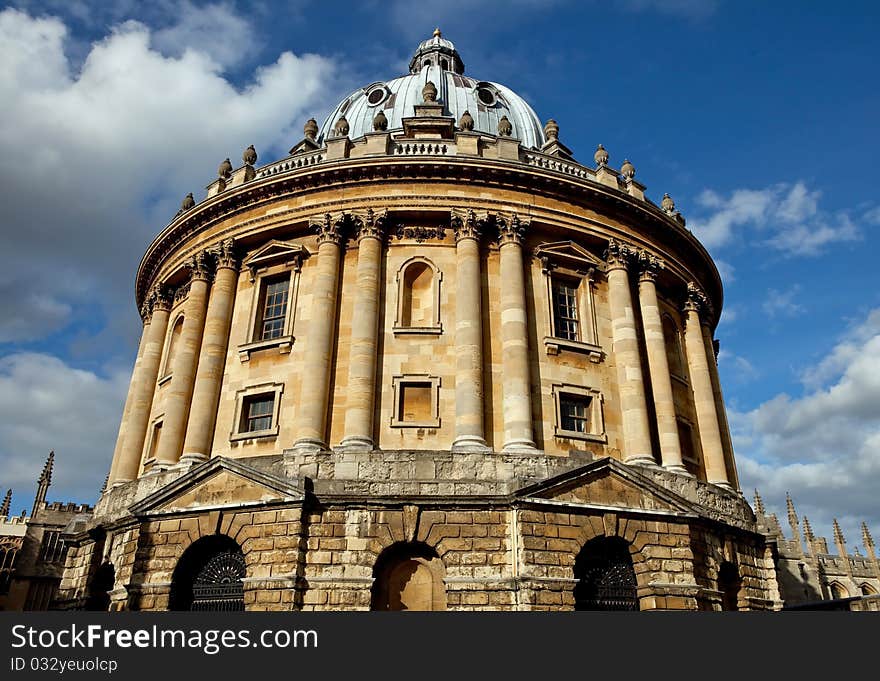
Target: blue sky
x: 760, y: 119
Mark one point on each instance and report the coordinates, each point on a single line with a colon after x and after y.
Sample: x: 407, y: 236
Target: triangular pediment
x: 607, y: 483
x: 274, y: 252
x: 568, y: 254
x: 216, y: 484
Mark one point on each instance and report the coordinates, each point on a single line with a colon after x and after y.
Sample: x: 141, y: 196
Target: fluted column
x: 658, y: 365
x: 183, y: 370
x: 516, y: 401
x: 212, y: 357
x: 311, y: 418
x: 701, y: 383
x: 469, y: 433
x: 726, y: 441
x: 129, y: 398
x: 144, y: 387
x: 625, y: 347
x: 361, y: 391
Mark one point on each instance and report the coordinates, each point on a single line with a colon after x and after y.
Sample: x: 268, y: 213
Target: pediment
x: 216, y: 484
x: 274, y: 252
x: 568, y: 254
x: 305, y: 145
x: 607, y: 483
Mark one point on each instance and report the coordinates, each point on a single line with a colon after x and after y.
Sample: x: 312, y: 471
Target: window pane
x: 259, y: 413
x: 274, y: 310
x: 574, y: 412
x: 565, y: 315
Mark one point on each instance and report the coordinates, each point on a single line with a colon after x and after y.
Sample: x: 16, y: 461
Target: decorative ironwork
x: 219, y: 586
x: 606, y: 579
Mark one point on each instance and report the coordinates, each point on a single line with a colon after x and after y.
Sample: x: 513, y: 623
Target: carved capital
x: 511, y: 230
x: 199, y: 266
x: 696, y: 300
x: 160, y: 298
x: 146, y: 311
x: 370, y: 225
x: 225, y: 255
x: 329, y: 230
x: 649, y: 266
x: 619, y: 255
x: 420, y: 233
x: 466, y: 226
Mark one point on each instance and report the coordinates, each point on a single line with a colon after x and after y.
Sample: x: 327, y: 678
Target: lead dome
x: 436, y: 60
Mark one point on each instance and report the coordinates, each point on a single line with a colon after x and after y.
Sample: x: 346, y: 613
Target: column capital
x: 200, y: 266
x: 466, y: 225
x: 160, y: 298
x: 146, y: 312
x: 225, y: 256
x: 619, y: 254
x: 697, y: 301
x: 328, y: 229
x: 370, y: 225
x: 649, y: 265
x: 511, y: 230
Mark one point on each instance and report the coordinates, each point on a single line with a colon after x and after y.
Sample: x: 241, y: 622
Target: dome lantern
x: 436, y: 51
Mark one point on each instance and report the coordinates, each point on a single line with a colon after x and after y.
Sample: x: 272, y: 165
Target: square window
x: 574, y: 413
x: 257, y: 413
x: 416, y: 401
x: 578, y: 413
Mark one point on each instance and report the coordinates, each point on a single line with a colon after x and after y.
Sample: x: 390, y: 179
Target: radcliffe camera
x: 450, y: 336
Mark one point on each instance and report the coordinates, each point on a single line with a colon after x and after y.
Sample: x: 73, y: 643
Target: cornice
x: 482, y: 172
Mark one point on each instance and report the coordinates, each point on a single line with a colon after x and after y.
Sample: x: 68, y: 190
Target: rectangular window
x: 415, y: 403
x: 565, y: 312
x: 154, y: 443
x: 257, y: 413
x: 686, y: 441
x: 574, y: 411
x: 52, y: 547
x: 273, y: 309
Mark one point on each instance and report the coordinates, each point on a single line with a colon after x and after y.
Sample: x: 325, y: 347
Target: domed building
x: 427, y: 361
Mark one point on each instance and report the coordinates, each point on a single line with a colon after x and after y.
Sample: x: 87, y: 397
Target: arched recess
x: 729, y: 584
x: 100, y: 587
x: 418, y: 297
x: 838, y: 591
x: 408, y: 576
x: 606, y: 578
x: 173, y: 346
x: 209, y: 576
x: 867, y: 589
x: 672, y: 341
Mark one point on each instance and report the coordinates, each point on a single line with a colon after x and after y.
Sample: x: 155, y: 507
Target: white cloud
x: 782, y: 303
x: 738, y: 368
x: 215, y: 30
x: 823, y: 446
x: 786, y: 217
x: 47, y: 404
x: 94, y: 160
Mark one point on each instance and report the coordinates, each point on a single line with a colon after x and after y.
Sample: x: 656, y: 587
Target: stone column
x: 129, y: 399
x: 701, y: 383
x: 212, y: 357
x: 625, y: 347
x: 516, y: 388
x: 183, y: 370
x: 726, y: 441
x: 658, y: 365
x: 144, y: 388
x: 361, y: 392
x: 469, y: 433
x: 311, y: 417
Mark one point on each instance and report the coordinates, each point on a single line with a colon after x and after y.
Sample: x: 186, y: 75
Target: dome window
x: 486, y: 94
x: 377, y: 95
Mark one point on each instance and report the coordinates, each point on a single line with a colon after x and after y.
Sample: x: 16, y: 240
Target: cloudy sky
x: 758, y: 118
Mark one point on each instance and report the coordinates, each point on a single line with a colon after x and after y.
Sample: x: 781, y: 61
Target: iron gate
x: 219, y: 586
x: 606, y: 579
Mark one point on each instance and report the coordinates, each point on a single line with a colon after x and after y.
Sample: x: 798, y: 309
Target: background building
x: 426, y: 361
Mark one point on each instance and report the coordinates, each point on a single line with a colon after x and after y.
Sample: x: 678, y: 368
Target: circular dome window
x: 377, y: 95
x: 486, y: 95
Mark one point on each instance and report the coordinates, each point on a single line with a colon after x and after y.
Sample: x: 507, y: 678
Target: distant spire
x: 7, y: 500
x: 759, y: 504
x: 868, y: 542
x: 808, y: 531
x: 43, y: 483
x: 839, y: 539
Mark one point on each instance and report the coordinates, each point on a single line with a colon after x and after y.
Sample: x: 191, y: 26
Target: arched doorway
x: 100, y: 588
x: 408, y: 576
x: 729, y: 584
x: 605, y: 574
x: 209, y: 576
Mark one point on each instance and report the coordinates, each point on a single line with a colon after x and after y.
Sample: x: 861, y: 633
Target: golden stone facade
x: 426, y: 366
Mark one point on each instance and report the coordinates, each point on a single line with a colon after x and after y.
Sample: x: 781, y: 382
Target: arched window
x: 867, y: 590
x: 605, y: 576
x: 418, y: 299
x: 444, y: 64
x: 408, y: 576
x: 838, y: 591
x: 729, y: 585
x: 672, y: 338
x: 209, y: 576
x: 173, y: 346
